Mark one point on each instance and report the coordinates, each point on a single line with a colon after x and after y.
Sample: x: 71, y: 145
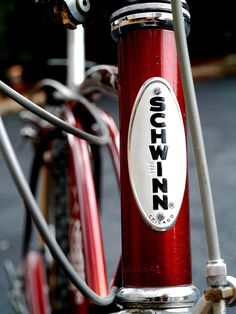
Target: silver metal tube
x: 75, y: 57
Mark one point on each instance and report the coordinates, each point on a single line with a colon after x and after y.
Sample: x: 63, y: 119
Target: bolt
x: 157, y: 91
x: 84, y: 5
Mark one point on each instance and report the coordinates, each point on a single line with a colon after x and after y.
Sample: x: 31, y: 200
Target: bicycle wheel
x: 68, y: 200
x: 58, y: 217
x: 49, y: 181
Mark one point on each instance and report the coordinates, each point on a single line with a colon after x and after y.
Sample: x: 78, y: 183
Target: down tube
x: 152, y: 257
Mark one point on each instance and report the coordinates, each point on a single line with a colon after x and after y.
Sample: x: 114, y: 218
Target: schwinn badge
x: 157, y: 154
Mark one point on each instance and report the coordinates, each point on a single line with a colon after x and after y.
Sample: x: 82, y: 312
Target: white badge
x: 157, y: 154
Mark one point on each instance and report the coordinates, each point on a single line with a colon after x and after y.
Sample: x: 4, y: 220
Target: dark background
x: 29, y: 36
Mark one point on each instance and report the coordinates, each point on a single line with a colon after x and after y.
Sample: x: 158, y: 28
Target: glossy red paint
x: 150, y: 258
x: 36, y: 289
x: 84, y: 221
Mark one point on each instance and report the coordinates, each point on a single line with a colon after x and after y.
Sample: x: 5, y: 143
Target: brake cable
x: 69, y: 95
x: 41, y: 224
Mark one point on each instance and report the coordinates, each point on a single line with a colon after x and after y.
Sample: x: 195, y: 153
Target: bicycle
x: 150, y: 281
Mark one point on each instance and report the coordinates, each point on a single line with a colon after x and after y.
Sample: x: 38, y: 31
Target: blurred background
x: 29, y: 37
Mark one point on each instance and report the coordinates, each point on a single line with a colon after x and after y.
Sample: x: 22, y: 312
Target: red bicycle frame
x: 36, y: 284
x: 84, y: 222
x: 153, y: 259
x: 156, y: 255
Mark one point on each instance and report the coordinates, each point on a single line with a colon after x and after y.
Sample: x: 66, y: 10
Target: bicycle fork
x: 156, y: 255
